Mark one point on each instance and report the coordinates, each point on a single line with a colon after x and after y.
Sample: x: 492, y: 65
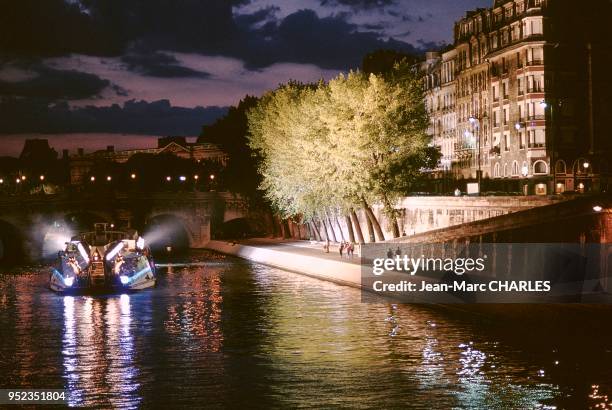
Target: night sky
x: 114, y: 69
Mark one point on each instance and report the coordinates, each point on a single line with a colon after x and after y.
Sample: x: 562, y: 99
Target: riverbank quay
x: 309, y: 258
x: 303, y: 257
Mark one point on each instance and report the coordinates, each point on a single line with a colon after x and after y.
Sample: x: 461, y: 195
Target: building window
x: 522, y: 139
x: 540, y: 168
x: 496, y: 169
x: 515, y: 169
x: 561, y: 167
x: 505, y: 170
x: 506, y: 142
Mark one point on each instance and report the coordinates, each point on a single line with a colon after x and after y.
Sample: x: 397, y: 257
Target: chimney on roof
x: 110, y: 148
x: 65, y: 153
x: 80, y: 152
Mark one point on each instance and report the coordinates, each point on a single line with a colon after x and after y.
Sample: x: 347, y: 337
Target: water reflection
x: 235, y: 334
x: 98, y: 352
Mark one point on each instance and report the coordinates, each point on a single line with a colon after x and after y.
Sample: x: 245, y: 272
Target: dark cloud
x: 263, y: 15
x: 134, y: 117
x: 304, y: 37
x: 157, y: 64
x: 54, y: 84
x: 359, y: 5
x: 113, y: 27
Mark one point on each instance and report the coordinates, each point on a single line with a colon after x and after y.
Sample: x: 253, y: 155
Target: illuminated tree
x: 331, y: 148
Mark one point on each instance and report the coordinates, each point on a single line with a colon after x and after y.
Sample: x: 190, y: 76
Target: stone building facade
x: 520, y: 101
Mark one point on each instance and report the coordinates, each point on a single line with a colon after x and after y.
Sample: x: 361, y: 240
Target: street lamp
x: 23, y: 177
x: 109, y: 178
x: 92, y: 179
x: 183, y: 178
x: 1, y: 181
x: 543, y: 104
x: 168, y: 178
x: 597, y: 208
x: 196, y: 177
x: 586, y: 165
x: 18, y: 180
x: 212, y: 176
x: 133, y: 176
x: 475, y: 124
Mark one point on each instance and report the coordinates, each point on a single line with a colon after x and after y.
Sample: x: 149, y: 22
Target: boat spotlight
x: 114, y: 251
x: 124, y: 279
x: 68, y: 281
x: 83, y: 252
x: 140, y: 243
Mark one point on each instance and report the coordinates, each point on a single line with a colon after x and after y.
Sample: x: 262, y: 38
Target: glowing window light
x: 83, y: 252
x: 114, y: 251
x: 196, y: 177
x: 23, y: 177
x: 42, y: 177
x: 597, y: 208
x: 18, y: 180
x: 1, y: 181
x: 168, y: 178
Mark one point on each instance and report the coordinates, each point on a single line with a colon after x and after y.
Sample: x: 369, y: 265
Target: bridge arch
x: 12, y: 243
x: 168, y: 229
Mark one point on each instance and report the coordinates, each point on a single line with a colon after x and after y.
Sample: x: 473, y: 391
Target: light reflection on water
x: 231, y: 334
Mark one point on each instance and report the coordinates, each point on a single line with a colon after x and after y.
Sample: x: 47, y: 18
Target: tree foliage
x: 333, y: 146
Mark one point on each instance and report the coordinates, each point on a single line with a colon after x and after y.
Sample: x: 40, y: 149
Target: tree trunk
x: 372, y: 218
x: 391, y: 215
x: 314, y: 231
x: 331, y: 228
x: 349, y: 227
x: 286, y: 229
x: 323, y: 229
x: 340, y: 228
x: 319, y: 230
x: 370, y: 227
x: 357, y: 227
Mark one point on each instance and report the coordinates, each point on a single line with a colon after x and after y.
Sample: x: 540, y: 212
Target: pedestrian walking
x: 341, y: 248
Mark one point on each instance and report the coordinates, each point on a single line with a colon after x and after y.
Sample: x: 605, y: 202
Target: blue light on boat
x: 124, y: 279
x: 68, y: 281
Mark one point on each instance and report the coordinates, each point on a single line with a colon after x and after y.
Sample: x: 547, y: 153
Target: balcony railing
x: 536, y: 117
x: 534, y: 62
x: 537, y: 145
x: 535, y: 89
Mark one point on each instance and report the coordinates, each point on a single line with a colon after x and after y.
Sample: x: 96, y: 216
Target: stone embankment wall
x: 425, y: 214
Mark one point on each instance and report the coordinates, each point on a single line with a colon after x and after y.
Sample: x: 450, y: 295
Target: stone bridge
x: 26, y: 220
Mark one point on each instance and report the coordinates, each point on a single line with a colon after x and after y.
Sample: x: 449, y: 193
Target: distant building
x: 81, y: 163
x: 523, y: 96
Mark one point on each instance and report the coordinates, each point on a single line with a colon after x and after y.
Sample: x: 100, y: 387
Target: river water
x: 223, y: 332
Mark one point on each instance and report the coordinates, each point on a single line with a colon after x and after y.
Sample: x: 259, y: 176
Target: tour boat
x: 103, y: 260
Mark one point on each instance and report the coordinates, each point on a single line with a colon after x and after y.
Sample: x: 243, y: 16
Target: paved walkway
x: 306, y: 248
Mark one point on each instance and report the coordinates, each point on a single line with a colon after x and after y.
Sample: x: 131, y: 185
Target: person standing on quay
x: 341, y: 248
